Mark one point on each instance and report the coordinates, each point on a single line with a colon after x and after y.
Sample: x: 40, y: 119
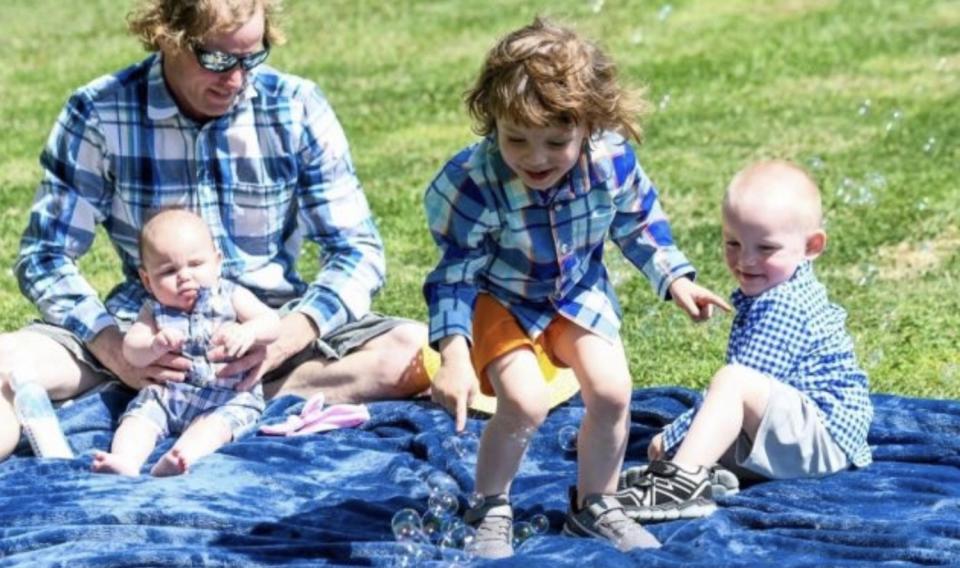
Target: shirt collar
x: 160, y: 102
x: 802, y: 274
x: 593, y: 167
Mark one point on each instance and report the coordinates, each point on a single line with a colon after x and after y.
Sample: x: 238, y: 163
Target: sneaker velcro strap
x: 662, y: 468
x: 603, y: 505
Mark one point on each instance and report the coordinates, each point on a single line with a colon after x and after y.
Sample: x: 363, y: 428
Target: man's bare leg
x: 50, y: 364
x: 388, y: 366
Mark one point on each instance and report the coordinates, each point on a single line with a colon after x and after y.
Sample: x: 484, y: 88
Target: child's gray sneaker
x: 603, y: 517
x: 723, y: 482
x: 493, y: 520
x: 665, y: 492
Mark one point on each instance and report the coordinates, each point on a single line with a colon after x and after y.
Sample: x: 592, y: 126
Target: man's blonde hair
x: 184, y: 23
x: 544, y: 73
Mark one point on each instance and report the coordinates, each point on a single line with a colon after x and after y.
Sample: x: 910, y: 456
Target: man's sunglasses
x: 221, y: 61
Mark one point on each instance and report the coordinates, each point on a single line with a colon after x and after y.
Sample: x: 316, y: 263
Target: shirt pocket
x: 256, y: 216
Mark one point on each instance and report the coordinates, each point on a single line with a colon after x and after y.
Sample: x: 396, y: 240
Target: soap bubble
x: 435, y: 525
x: 664, y: 102
x: 540, y: 523
x: 443, y: 504
x: 567, y: 438
x: 406, y: 525
x: 474, y: 500
x: 816, y: 163
x: 522, y: 531
x: 930, y: 145
x: 864, y: 108
x: 440, y: 482
x: 664, y: 12
x: 595, y: 6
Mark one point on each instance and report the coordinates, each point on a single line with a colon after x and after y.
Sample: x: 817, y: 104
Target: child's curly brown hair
x: 545, y: 73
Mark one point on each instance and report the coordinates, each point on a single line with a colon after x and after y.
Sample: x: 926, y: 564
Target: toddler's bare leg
x: 135, y: 439
x: 204, y: 436
x: 601, y: 368
x: 736, y: 401
x: 522, y: 406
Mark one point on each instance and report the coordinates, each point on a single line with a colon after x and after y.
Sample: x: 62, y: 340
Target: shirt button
x: 564, y: 248
x: 557, y: 207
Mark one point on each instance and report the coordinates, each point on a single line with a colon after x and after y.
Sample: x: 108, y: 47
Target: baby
x: 791, y: 400
x: 192, y: 311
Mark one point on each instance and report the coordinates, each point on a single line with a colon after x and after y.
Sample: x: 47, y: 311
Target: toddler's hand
x: 453, y: 388
x: 696, y: 300
x: 655, y: 449
x: 167, y: 340
x: 236, y: 339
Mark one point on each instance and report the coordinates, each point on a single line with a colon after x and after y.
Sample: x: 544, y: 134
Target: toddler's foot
x: 172, y: 463
x: 665, y: 492
x: 603, y: 517
x: 105, y: 462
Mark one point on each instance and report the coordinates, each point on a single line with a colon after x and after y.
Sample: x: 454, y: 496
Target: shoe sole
x: 693, y: 510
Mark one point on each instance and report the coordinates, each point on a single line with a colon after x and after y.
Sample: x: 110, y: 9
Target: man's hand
x: 296, y: 332
x: 107, y: 347
x: 696, y: 300
x: 655, y: 449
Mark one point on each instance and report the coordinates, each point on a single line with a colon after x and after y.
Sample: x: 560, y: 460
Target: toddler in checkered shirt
x: 521, y: 218
x: 791, y: 400
x: 192, y: 311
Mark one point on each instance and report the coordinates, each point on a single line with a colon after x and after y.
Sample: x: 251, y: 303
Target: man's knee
x: 400, y: 371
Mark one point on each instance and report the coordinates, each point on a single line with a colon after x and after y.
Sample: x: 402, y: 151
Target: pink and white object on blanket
x: 315, y: 418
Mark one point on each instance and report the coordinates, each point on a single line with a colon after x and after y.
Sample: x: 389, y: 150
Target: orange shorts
x: 496, y: 333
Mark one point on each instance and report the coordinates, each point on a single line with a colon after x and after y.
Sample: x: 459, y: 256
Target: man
x: 202, y: 124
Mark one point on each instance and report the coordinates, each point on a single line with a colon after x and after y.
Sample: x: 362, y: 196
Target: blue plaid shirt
x: 794, y: 334
x: 540, y: 253
x: 212, y: 309
x: 273, y: 171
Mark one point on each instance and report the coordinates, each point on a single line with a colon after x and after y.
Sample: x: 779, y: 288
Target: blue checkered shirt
x: 271, y: 172
x: 540, y: 253
x: 794, y: 334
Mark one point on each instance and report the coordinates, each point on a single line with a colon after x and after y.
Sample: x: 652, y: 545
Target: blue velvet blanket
x: 328, y: 499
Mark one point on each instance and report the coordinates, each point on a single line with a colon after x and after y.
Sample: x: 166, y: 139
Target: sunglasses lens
x: 252, y: 60
x: 216, y: 61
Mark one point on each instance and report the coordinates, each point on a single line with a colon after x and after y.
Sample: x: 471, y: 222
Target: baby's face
x: 762, y: 248
x: 178, y: 265
x: 540, y: 156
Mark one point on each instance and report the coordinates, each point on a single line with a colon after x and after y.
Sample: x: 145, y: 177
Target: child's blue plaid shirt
x: 794, y: 334
x: 273, y: 171
x: 540, y: 252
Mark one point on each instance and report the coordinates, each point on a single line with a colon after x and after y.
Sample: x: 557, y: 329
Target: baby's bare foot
x: 105, y: 462
x: 172, y: 463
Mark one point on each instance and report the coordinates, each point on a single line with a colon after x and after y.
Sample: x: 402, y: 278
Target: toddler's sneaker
x: 603, y: 517
x: 665, y: 492
x: 723, y: 482
x: 493, y: 520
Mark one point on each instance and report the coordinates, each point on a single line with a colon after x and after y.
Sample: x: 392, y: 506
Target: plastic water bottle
x: 38, y: 419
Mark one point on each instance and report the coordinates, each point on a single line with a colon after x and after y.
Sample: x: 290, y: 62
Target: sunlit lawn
x: 864, y: 93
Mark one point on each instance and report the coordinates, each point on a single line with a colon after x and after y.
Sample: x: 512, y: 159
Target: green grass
x: 745, y: 79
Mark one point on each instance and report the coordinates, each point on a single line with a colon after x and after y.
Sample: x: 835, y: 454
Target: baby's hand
x: 236, y: 339
x: 696, y: 300
x: 655, y: 449
x: 167, y: 340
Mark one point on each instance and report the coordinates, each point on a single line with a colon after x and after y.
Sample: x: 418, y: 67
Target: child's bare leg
x: 135, y: 439
x: 204, y: 436
x: 522, y: 406
x: 736, y: 400
x: 601, y: 368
